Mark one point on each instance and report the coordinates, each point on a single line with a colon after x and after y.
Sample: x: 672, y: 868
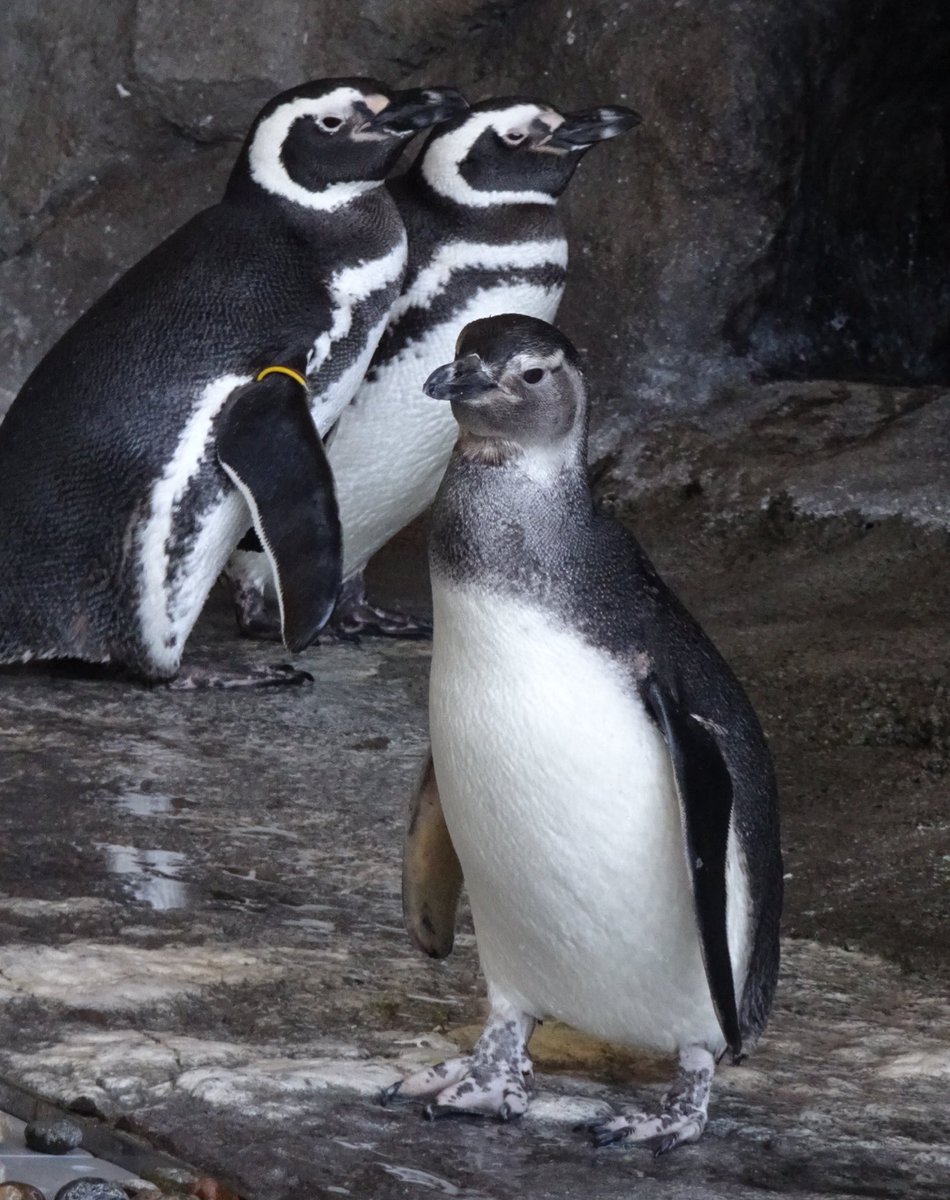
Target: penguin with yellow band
x: 190, y: 402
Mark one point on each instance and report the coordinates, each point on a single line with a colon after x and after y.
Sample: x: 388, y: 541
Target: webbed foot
x: 354, y: 615
x: 493, y: 1081
x: 680, y: 1118
x: 247, y: 576
x: 196, y: 679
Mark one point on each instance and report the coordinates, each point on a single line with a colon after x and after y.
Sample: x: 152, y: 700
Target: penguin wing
x: 268, y: 445
x: 431, y: 871
x: 705, y: 791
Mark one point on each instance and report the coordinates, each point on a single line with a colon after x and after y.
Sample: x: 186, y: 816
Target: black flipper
x: 268, y: 444
x: 704, y: 787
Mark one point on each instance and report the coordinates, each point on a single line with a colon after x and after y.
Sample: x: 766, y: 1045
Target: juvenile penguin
x: 598, y: 777
x: 485, y: 237
x: 189, y: 402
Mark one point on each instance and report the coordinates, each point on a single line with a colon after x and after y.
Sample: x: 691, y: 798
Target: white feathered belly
x: 392, y: 445
x: 559, y: 796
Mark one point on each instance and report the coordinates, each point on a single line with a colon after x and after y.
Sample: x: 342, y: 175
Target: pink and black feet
x: 493, y: 1081
x: 354, y: 616
x: 680, y: 1117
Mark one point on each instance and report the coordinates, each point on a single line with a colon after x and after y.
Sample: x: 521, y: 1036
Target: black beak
x: 463, y: 379
x: 582, y: 129
x: 418, y: 108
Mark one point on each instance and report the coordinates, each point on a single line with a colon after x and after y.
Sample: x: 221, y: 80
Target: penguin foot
x: 680, y: 1118
x: 199, y: 679
x: 354, y: 615
x: 493, y: 1081
x: 254, y: 618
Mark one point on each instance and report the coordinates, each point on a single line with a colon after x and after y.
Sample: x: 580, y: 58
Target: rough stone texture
x: 784, y: 208
x: 52, y: 1137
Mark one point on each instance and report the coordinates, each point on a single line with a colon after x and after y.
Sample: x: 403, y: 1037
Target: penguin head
x: 516, y: 382
x: 514, y: 151
x: 323, y: 143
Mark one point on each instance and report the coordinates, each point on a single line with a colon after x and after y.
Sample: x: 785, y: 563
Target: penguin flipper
x: 431, y: 871
x: 268, y: 445
x: 705, y: 792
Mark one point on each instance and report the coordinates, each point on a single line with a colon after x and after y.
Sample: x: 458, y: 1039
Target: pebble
x: 6, y: 1128
x: 52, y: 1137
x: 19, y: 1191
x: 90, y: 1189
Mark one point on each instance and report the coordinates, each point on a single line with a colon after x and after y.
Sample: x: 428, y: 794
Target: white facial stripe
x: 463, y: 256
x: 440, y: 166
x: 157, y: 620
x: 268, y: 170
x: 351, y: 286
x: 548, y: 362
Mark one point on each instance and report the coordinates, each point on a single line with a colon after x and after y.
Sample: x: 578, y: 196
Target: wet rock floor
x: 200, y: 934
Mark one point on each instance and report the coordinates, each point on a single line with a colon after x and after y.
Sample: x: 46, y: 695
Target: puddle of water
x: 152, y: 876
x: 151, y: 804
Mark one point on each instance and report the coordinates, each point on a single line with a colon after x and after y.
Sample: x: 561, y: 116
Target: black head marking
x: 514, y: 150
x: 311, y: 143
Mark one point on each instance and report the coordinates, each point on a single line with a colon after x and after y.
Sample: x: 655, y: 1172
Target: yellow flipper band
x: 284, y: 371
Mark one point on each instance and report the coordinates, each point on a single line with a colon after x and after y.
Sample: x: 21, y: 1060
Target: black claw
x: 391, y: 1093
x: 293, y: 674
x: 600, y: 1135
x: 664, y: 1144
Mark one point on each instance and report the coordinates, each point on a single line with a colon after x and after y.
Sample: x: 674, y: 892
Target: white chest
x: 559, y: 796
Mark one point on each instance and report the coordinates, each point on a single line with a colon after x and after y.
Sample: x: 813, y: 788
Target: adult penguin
x: 189, y: 402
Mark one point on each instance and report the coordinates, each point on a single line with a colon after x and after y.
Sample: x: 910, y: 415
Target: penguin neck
x: 501, y: 506
x: 447, y: 190
x: 260, y: 186
x: 369, y: 210
x: 543, y: 465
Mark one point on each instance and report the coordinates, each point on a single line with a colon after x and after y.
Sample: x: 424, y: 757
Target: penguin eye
x: 533, y: 375
x: 513, y: 137
x: 330, y: 123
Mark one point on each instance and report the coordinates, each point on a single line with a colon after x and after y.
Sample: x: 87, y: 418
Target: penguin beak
x: 418, y: 108
x: 464, y: 379
x: 580, y: 130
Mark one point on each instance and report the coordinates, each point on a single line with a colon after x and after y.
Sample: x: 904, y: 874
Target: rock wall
x: 783, y: 210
